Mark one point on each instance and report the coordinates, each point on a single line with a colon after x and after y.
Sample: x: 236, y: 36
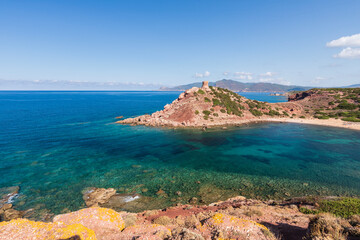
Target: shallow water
x: 55, y: 144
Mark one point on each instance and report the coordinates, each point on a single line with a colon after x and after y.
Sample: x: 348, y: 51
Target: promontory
x: 214, y: 106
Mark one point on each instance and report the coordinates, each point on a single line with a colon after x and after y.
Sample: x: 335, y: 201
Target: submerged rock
x: 8, y: 194
x: 9, y: 214
x: 96, y: 196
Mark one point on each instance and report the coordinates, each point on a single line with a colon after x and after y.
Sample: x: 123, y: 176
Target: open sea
x: 56, y: 144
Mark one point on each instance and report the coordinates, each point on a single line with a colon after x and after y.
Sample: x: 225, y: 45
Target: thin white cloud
x: 274, y: 80
x: 42, y: 84
x: 225, y: 73
x: 347, y: 41
x: 348, y: 53
x: 268, y: 74
x: 317, y: 80
x: 243, y: 75
x: 202, y: 75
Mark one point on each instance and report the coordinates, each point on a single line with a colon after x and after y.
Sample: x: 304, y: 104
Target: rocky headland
x: 213, y: 106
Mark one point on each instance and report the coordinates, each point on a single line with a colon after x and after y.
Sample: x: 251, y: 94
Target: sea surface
x: 54, y: 145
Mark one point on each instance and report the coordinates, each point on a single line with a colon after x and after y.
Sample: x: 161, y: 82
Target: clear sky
x: 130, y: 44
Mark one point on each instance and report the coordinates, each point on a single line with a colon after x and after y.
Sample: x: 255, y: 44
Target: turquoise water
x: 55, y: 144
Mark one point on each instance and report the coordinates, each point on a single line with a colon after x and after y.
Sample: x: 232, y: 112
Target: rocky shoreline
x: 235, y: 218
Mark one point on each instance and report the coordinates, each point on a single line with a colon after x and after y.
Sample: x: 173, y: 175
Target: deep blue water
x: 55, y: 144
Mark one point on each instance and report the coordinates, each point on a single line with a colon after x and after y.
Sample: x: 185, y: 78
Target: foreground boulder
x: 103, y: 221
x: 23, y: 229
x: 146, y: 231
x: 229, y: 227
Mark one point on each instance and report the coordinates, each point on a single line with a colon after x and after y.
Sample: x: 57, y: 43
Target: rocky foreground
x: 235, y: 218
x: 214, y: 106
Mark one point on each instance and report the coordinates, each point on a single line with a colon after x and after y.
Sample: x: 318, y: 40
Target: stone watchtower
x: 205, y: 85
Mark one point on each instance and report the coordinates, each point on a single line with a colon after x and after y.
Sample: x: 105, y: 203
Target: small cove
x: 55, y: 144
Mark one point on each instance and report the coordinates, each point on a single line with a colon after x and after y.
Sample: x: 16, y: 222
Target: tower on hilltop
x: 205, y: 84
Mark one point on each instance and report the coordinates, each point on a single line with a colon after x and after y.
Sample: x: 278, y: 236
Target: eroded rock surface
x: 103, y: 221
x: 235, y: 218
x: 23, y: 229
x: 96, y: 196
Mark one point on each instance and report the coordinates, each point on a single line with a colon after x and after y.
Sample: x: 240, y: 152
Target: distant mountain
x: 353, y: 86
x: 185, y: 87
x: 236, y: 86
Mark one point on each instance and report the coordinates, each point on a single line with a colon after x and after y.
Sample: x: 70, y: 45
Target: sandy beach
x: 322, y: 122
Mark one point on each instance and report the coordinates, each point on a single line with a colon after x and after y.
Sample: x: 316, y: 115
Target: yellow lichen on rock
x: 21, y: 229
x: 102, y: 221
x: 229, y: 227
x: 219, y: 218
x: 74, y: 230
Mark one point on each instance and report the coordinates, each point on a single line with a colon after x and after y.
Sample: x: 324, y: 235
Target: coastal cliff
x: 236, y: 218
x: 214, y: 106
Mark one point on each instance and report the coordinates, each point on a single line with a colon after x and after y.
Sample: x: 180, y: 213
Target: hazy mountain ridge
x: 236, y: 86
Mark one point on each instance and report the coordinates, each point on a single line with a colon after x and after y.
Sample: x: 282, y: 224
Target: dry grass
x: 163, y: 220
x: 326, y: 226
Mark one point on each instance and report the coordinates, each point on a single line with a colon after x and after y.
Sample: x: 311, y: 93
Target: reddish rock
x: 145, y: 232
x: 103, y: 221
x: 230, y: 227
x: 23, y: 229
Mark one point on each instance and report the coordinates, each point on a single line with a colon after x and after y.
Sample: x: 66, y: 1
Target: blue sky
x: 146, y: 44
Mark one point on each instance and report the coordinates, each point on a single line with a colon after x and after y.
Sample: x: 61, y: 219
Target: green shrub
x: 305, y: 210
x: 351, y: 119
x: 222, y: 110
x: 207, y: 99
x: 200, y: 91
x: 344, y: 207
x: 322, y: 116
x: 347, y: 106
x: 273, y: 113
x: 302, y: 116
x: 206, y: 112
x: 215, y: 114
x: 216, y: 102
x: 196, y: 112
x: 255, y: 112
x: 251, y: 104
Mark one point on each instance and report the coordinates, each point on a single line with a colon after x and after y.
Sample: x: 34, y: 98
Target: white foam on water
x: 12, y: 197
x: 131, y: 198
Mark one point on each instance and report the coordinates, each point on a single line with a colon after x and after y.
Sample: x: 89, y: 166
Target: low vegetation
x: 338, y: 103
x: 342, y: 207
